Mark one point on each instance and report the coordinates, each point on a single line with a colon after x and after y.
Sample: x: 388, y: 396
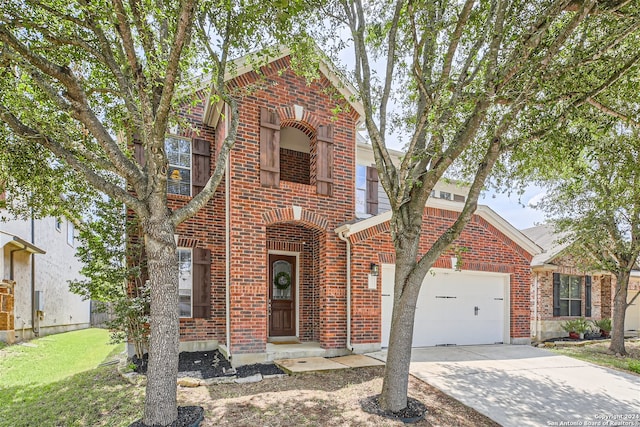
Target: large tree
x: 592, y: 186
x: 463, y: 82
x: 81, y: 79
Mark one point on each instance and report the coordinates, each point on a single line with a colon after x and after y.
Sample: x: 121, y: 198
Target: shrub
x: 603, y: 324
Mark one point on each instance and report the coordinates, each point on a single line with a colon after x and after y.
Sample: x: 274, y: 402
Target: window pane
x: 178, y: 151
x: 575, y: 308
x: 361, y: 177
x: 185, y: 153
x: 184, y: 302
x: 575, y: 288
x: 361, y: 203
x: 179, y: 181
x: 282, y: 266
x: 564, y: 307
x: 564, y: 289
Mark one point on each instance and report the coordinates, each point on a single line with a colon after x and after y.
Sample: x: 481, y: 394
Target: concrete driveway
x: 518, y: 385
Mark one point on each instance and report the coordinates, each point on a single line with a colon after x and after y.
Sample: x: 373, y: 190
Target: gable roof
x: 545, y: 236
x: 483, y: 211
x: 246, y: 64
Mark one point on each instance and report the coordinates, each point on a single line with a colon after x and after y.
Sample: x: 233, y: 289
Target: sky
x: 517, y: 210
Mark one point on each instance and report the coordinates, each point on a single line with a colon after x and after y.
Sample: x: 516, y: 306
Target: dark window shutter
x: 556, y: 294
x: 201, y: 164
x: 372, y: 190
x: 587, y: 296
x: 324, y: 161
x: 201, y: 287
x: 138, y: 150
x: 269, y: 148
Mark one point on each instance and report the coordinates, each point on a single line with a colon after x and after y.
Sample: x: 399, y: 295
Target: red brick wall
x: 293, y: 237
x: 250, y: 203
x: 205, y: 230
x: 254, y: 224
x: 488, y: 250
x: 296, y: 167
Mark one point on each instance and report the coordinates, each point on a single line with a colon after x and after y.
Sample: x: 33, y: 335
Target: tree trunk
x: 160, y: 407
x: 396, y: 374
x: 619, y: 311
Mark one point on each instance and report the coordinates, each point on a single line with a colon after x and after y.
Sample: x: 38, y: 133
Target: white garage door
x: 454, y: 308
x: 632, y: 316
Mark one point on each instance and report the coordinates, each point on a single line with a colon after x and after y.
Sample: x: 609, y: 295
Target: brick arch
x: 302, y: 126
x: 307, y: 217
x: 309, y: 122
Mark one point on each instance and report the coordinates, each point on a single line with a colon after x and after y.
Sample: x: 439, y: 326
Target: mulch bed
x: 414, y: 412
x: 210, y: 364
x: 587, y: 337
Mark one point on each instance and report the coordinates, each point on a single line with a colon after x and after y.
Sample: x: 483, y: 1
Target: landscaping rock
x: 189, y: 382
x: 256, y: 378
x: 219, y: 380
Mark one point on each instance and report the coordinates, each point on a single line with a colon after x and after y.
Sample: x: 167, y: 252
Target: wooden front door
x: 282, y: 295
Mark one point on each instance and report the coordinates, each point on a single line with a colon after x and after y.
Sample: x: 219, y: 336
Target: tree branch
x: 56, y: 148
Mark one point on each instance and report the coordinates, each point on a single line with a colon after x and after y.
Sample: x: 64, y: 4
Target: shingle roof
x: 545, y: 237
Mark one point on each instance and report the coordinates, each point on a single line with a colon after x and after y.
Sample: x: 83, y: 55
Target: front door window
x: 281, y: 280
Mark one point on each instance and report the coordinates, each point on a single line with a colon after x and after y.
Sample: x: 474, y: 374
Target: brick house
x: 294, y: 246
x: 561, y: 291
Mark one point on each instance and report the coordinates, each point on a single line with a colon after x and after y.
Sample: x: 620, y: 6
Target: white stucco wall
x: 63, y: 310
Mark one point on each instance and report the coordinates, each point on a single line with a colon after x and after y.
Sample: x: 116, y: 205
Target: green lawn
x: 599, y: 354
x: 59, y: 382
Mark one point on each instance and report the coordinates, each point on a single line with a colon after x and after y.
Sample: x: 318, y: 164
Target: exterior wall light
x: 374, y: 269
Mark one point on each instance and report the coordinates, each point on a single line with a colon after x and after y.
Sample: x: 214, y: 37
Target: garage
x: 632, y: 316
x: 454, y: 308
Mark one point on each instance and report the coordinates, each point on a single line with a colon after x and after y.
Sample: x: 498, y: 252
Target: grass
x: 599, y: 354
x: 60, y: 382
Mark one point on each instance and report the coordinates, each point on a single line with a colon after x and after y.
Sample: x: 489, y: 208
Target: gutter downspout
x: 33, y: 281
x: 342, y: 237
x: 535, y: 306
x: 227, y: 272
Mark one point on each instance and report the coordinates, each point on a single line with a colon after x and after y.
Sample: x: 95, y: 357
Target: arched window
x: 295, y: 156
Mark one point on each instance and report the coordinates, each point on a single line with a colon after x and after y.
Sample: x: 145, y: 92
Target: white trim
x: 483, y: 211
x: 190, y: 250
x: 297, y: 212
x: 190, y: 168
x: 297, y: 255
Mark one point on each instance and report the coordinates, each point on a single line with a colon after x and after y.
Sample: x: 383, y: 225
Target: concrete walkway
x: 526, y: 386
x: 314, y: 364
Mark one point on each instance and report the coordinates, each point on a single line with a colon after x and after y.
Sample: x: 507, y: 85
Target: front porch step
x: 305, y: 349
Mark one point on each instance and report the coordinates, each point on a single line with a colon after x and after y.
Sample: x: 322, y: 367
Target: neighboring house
x: 560, y: 291
x: 38, y: 258
x: 294, y: 246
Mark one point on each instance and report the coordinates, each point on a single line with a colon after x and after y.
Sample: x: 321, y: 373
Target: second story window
x: 71, y: 233
x: 361, y: 189
x: 445, y: 195
x: 179, y: 157
x: 293, y: 151
x: 295, y: 157
x: 366, y: 190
